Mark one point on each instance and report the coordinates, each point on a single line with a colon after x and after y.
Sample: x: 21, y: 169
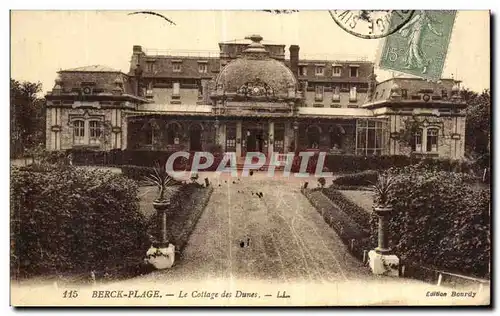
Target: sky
x: 43, y: 42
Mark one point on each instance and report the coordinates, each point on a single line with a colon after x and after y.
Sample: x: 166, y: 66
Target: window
x: 150, y: 66
x: 320, y: 70
x: 371, y: 138
x: 336, y: 93
x: 177, y: 66
x: 426, y: 140
x: 78, y: 132
x: 318, y: 96
x: 353, y: 94
x: 444, y: 94
x: 303, y: 70
x: 313, y: 136
x: 353, y: 71
x: 404, y: 94
x: 432, y: 140
x: 337, y: 71
x: 417, y: 141
x: 147, y: 134
x: 176, y: 90
x: 173, y: 132
x: 231, y: 137
x: 202, y: 68
x: 95, y: 132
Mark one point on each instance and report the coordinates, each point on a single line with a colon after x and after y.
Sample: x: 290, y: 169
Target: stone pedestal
x: 383, y: 264
x: 161, y: 256
x: 381, y: 259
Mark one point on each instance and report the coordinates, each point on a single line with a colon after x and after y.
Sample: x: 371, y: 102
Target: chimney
x: 138, y: 80
x: 294, y: 59
x: 137, y: 49
x: 137, y: 55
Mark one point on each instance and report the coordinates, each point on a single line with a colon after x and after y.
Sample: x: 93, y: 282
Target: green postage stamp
x: 420, y: 46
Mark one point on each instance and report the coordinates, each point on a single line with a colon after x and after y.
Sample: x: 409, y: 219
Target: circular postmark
x: 371, y: 24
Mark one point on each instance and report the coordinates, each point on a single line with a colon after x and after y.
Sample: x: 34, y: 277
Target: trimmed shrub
x: 334, y: 216
x: 363, y: 178
x: 350, y: 163
x: 354, y: 236
x: 357, y: 213
x: 186, y: 207
x: 74, y: 220
x: 440, y: 219
x: 137, y: 173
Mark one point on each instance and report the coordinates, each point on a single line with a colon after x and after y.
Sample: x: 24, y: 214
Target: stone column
x: 270, y: 141
x: 238, y: 138
x: 286, y: 143
x: 222, y: 135
x: 124, y: 137
x: 383, y: 236
x: 217, y: 128
x: 381, y: 260
x: 296, y: 135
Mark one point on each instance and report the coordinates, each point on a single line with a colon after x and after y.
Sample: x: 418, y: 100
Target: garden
x: 440, y: 219
x: 80, y: 223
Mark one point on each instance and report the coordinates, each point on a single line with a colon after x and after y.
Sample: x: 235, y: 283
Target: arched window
x: 95, y: 132
x: 417, y: 141
x: 432, y: 140
x: 195, y: 141
x: 313, y: 136
x: 337, y: 133
x: 79, y: 132
x: 173, y: 134
x: 147, y: 134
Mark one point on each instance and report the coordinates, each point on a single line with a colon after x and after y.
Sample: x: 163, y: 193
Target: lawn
x: 362, y: 198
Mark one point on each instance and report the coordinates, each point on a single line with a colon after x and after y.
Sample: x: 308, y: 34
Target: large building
x: 251, y: 98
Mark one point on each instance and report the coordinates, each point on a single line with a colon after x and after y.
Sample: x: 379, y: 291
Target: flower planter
x: 161, y: 257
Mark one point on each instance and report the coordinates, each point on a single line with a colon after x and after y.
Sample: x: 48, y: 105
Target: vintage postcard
x: 250, y: 158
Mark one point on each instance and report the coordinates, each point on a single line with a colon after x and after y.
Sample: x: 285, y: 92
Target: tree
x: 478, y: 124
x: 27, y: 116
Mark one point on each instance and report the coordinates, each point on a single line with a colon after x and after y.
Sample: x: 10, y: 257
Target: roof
x: 248, y: 41
x: 245, y: 70
x: 104, y: 82
x: 163, y: 67
x: 365, y: 69
x: 91, y: 68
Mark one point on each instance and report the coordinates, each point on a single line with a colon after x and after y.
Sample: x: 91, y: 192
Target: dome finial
x: 255, y: 38
x: 256, y: 49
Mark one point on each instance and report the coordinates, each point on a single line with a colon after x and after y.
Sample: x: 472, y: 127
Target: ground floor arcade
x: 266, y: 135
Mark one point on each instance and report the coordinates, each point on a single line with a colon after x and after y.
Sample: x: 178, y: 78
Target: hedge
x: 333, y: 215
x: 355, y: 212
x: 187, y: 206
x: 139, y: 173
x: 364, y: 178
x: 440, y: 219
x: 333, y: 163
x: 74, y: 220
x: 354, y: 236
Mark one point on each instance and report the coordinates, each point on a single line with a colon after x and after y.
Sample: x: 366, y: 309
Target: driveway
x: 276, y: 237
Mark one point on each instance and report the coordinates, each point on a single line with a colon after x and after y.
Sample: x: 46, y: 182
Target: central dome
x: 256, y: 66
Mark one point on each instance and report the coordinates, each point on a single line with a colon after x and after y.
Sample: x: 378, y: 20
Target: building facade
x: 250, y: 98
